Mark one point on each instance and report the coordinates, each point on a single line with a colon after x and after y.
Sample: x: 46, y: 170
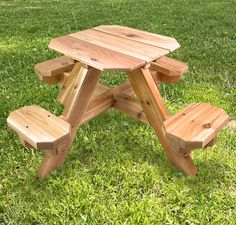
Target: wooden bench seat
x: 39, y: 128
x: 51, y: 71
x: 195, y: 126
x: 169, y: 70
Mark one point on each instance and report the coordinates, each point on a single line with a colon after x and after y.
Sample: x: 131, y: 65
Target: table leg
x: 80, y: 91
x: 156, y: 113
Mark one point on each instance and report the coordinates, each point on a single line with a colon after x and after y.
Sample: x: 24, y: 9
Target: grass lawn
x: 116, y: 171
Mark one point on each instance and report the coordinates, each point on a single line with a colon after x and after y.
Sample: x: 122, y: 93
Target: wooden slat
x: 140, y: 36
x: 195, y: 126
x: 93, y: 55
x: 169, y: 67
x: 38, y: 127
x: 54, y: 66
x: 131, y: 48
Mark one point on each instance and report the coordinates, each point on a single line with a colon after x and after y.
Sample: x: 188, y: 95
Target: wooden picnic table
x: 115, y: 48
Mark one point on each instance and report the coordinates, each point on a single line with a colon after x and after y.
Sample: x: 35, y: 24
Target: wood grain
x: 169, y: 67
x: 140, y: 36
x: 53, y: 67
x: 124, y: 46
x: 83, y: 88
x: 127, y: 104
x: 38, y: 127
x: 195, y: 126
x: 94, y: 55
x: 156, y: 113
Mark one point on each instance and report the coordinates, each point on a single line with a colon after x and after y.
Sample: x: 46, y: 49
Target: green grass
x: 116, y: 171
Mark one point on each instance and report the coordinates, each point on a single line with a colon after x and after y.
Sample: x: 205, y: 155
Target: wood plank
x: 140, y: 36
x: 155, y: 76
x: 74, y: 115
x: 66, y: 93
x: 131, y: 48
x: 97, y: 107
x: 54, y: 67
x: 38, y: 127
x: 63, y: 78
x: 99, y: 98
x: 104, y: 98
x: 52, y: 160
x: 195, y: 126
x: 130, y: 106
x: 169, y: 67
x: 84, y: 87
x: 93, y: 55
x: 156, y: 113
x: 124, y: 88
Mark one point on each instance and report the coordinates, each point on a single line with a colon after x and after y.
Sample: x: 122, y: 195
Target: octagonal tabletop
x: 113, y: 47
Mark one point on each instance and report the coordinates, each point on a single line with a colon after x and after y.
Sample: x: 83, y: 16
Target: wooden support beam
x: 63, y: 78
x: 124, y: 88
x: 127, y: 104
x: 156, y: 113
x: 104, y: 98
x: 98, y: 105
x: 76, y: 95
x: 82, y: 90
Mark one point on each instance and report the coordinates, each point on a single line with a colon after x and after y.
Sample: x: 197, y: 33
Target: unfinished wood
x: 156, y: 113
x: 124, y: 88
x: 63, y: 78
x: 83, y: 88
x: 50, y: 71
x: 97, y: 107
x: 127, y: 104
x: 169, y: 79
x: 50, y: 80
x: 83, y: 82
x: 140, y: 36
x: 66, y: 94
x: 211, y: 143
x: 38, y: 127
x: 25, y: 143
x: 103, y: 99
x: 155, y: 76
x: 128, y: 47
x: 159, y: 77
x: 52, y: 160
x: 195, y: 126
x: 99, y: 98
x: 168, y: 70
x: 94, y: 55
x: 169, y: 66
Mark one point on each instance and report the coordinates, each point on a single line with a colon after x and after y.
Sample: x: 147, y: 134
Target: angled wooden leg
x: 156, y: 113
x: 76, y: 97
x: 52, y: 160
